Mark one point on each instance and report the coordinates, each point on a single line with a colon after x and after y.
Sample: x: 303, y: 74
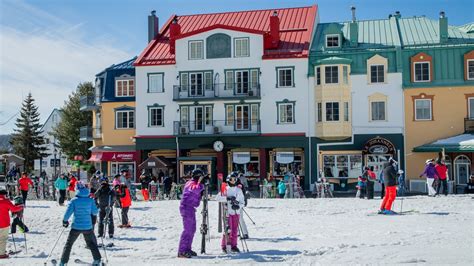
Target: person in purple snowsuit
x: 189, y: 202
x: 431, y: 175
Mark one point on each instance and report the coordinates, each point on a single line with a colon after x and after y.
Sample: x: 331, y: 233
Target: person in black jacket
x: 105, y: 197
x: 390, y: 182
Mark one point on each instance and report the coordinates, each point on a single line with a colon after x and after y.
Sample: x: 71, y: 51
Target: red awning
x: 113, y: 156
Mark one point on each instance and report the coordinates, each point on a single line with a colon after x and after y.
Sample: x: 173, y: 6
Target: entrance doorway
x: 462, y: 167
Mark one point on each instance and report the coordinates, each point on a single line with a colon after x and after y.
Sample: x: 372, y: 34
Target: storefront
x: 287, y: 161
x: 112, y: 162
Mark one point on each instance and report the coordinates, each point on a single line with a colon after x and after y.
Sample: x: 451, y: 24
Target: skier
x: 371, y: 178
x: 123, y: 194
x: 243, y: 225
x: 94, y: 182
x: 5, y: 206
x: 72, y: 187
x: 442, y: 172
x: 124, y: 177
x: 61, y: 185
x: 18, y: 217
x: 167, y: 185
x: 390, y: 181
x: 85, y: 215
x: 431, y: 175
x: 105, y: 196
x: 145, y: 181
x: 189, y: 202
x: 25, y: 183
x: 281, y: 189
x: 235, y: 201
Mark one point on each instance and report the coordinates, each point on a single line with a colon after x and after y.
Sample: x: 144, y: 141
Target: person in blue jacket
x: 61, y: 185
x: 281, y: 189
x: 85, y: 214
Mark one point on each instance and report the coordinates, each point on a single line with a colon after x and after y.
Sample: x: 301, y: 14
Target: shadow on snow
x: 271, y: 255
x: 273, y: 240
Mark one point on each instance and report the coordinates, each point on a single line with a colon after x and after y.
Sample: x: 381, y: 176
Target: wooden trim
x: 422, y: 96
x: 468, y: 95
x: 467, y: 56
x: 420, y: 57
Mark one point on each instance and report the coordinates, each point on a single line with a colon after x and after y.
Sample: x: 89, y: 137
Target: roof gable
x: 296, y: 28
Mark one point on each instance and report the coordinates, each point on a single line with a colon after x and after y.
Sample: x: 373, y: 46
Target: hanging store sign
x: 285, y: 157
x: 241, y: 157
x: 379, y: 145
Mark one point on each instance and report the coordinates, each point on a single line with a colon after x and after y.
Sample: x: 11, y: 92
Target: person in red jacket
x: 72, y: 187
x: 123, y: 194
x: 5, y: 206
x: 442, y: 171
x: 25, y: 183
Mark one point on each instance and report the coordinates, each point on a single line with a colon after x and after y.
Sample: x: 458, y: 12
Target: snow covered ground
x: 289, y: 231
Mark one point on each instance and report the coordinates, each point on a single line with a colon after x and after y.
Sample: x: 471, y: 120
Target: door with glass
x: 242, y: 117
x: 196, y: 82
x: 197, y: 113
x: 242, y: 82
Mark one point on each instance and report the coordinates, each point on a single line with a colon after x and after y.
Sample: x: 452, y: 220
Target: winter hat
x: 196, y: 174
x: 80, y: 185
x: 97, y: 173
x: 428, y: 161
x: 104, y: 180
x: 18, y: 200
x: 3, y: 190
x: 117, y: 176
x: 400, y: 171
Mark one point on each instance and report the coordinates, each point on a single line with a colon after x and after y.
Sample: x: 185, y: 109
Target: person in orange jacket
x: 25, y: 183
x: 5, y: 206
x: 123, y: 194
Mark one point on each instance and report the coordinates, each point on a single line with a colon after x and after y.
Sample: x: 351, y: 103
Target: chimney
x: 397, y: 14
x: 354, y: 29
x: 443, y: 27
x: 175, y: 30
x: 274, y: 30
x: 152, y: 26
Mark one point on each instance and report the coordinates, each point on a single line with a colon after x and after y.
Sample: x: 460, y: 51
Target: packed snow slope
x: 287, y: 231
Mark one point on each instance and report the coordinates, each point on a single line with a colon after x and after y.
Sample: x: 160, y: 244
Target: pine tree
x: 67, y: 132
x: 27, y: 139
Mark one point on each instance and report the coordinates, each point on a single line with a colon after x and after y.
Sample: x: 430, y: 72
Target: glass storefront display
x: 245, y: 162
x: 342, y: 165
x: 283, y: 162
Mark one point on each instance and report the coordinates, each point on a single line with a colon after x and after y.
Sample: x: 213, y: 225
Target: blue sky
x: 48, y: 46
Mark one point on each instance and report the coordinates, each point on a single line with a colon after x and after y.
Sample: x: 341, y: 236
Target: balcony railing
x: 217, y: 127
x: 239, y: 90
x: 89, y: 133
x: 469, y: 125
x: 88, y: 103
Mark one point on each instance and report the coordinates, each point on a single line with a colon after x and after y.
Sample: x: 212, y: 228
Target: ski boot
x: 235, y: 250
x: 245, y: 236
x: 96, y: 263
x: 193, y: 253
x: 381, y: 211
x: 389, y: 212
x: 184, y: 255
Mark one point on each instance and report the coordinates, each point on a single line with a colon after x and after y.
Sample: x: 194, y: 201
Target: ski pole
x: 401, y: 206
x: 14, y: 244
x: 26, y: 246
x: 57, y: 240
x: 244, y: 242
x: 248, y: 216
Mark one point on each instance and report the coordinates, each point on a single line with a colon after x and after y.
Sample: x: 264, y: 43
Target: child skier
x: 85, y: 214
x: 123, y: 194
x: 5, y: 206
x: 361, y: 187
x: 25, y: 183
x: 235, y: 201
x: 105, y: 197
x: 61, y: 185
x: 18, y: 217
x: 189, y: 202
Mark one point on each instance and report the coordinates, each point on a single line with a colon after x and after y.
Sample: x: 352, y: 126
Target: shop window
x: 117, y: 166
x: 287, y: 162
x: 246, y: 163
x: 285, y: 77
x: 342, y: 166
x: 332, y: 111
x: 124, y: 88
x: 241, y: 47
x: 422, y: 109
x: 196, y: 50
x: 332, y: 41
x: 156, y: 82
x: 124, y: 119
x: 331, y: 75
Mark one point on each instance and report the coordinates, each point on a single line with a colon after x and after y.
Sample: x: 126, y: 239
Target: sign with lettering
x: 379, y: 145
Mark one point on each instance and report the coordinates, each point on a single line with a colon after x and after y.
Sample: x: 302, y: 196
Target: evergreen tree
x: 67, y: 133
x: 27, y: 140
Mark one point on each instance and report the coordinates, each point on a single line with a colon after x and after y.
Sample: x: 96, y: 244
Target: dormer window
x: 124, y: 88
x: 422, y: 71
x: 332, y: 41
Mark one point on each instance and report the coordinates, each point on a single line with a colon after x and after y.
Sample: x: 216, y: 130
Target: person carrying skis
x: 85, y: 215
x: 235, y: 202
x: 18, y: 217
x: 431, y: 175
x: 123, y: 194
x: 390, y: 181
x: 25, y: 182
x: 190, y: 200
x: 61, y: 185
x: 72, y: 187
x: 105, y: 197
x: 5, y: 206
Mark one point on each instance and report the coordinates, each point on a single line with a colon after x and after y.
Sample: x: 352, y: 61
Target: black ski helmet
x: 196, y: 174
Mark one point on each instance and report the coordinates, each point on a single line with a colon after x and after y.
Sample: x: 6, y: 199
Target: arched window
x: 449, y: 165
x: 462, y: 169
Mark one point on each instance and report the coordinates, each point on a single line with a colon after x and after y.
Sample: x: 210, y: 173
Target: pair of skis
x: 205, y: 218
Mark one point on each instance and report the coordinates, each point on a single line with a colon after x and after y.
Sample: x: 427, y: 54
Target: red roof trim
x: 219, y: 26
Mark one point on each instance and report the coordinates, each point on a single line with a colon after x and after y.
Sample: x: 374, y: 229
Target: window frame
x: 127, y: 80
x: 470, y: 115
x: 162, y: 82
x: 384, y: 111
x: 331, y: 36
x: 187, y: 87
x: 235, y: 46
x: 319, y: 107
x: 431, y: 109
x: 326, y: 76
x: 293, y: 116
x: 377, y: 74
x: 467, y: 69
x: 332, y: 108
x: 156, y: 106
x: 292, y: 69
x: 414, y: 71
x: 346, y: 111
x: 190, y: 49
x: 318, y: 75
x: 231, y: 73
x: 128, y: 118
x: 232, y: 108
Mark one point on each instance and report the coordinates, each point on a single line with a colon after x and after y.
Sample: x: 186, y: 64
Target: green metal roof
x: 425, y: 31
x: 467, y: 28
x: 460, y: 143
x: 333, y: 60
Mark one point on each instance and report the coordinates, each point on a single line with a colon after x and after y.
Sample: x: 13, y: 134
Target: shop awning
x: 95, y: 157
x: 241, y: 157
x: 285, y: 157
x: 459, y: 143
x: 113, y: 153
